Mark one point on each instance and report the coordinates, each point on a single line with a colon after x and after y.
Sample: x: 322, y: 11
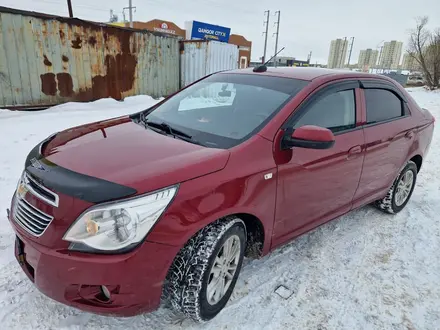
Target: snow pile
x: 365, y: 270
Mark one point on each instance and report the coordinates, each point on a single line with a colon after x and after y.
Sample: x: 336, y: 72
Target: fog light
x: 106, y: 292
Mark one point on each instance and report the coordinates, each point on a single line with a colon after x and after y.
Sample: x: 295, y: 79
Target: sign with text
x: 164, y: 29
x: 209, y: 32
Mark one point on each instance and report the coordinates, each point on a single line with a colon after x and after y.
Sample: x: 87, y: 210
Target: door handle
x: 409, y: 134
x: 354, y: 152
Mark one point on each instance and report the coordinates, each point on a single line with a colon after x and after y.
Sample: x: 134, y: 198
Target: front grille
x: 39, y: 190
x: 31, y: 219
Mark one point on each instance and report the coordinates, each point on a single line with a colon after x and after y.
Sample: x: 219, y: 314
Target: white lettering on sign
x: 164, y: 30
x: 206, y: 31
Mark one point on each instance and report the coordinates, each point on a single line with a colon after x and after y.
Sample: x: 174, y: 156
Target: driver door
x: 316, y: 185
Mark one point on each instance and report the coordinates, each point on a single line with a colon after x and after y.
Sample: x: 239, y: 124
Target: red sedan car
x: 116, y: 216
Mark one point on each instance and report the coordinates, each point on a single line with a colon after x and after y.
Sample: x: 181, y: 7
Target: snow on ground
x: 365, y: 270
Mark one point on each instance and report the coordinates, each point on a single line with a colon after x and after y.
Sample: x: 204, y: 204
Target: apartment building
x: 409, y: 63
x: 337, y: 54
x: 391, y: 54
x: 367, y: 59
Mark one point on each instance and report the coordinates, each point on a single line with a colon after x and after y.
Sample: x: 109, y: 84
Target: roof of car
x: 302, y: 73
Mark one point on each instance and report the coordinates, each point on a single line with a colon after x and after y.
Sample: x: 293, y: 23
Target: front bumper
x: 135, y: 279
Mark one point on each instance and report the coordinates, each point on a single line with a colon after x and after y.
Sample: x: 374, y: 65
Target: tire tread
x: 185, y: 277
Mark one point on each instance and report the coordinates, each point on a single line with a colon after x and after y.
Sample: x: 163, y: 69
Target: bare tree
x: 424, y: 48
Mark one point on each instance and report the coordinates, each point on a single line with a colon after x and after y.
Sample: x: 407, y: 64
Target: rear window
x: 225, y: 109
x: 382, y: 105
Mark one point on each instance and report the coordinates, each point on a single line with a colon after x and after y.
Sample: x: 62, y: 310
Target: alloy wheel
x: 404, y: 186
x: 223, y: 270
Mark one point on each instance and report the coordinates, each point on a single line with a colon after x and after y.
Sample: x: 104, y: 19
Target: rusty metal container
x: 46, y: 60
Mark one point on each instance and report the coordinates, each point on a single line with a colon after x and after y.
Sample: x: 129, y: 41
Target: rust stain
x: 65, y: 58
x: 92, y: 41
x: 48, y: 84
x: 65, y: 84
x: 77, y: 42
x: 46, y: 61
x: 62, y: 35
x: 120, y: 73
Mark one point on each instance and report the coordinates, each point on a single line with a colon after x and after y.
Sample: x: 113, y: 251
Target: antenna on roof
x: 263, y: 67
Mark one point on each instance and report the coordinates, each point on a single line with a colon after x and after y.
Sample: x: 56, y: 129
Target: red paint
x: 308, y: 188
x: 48, y: 84
x: 313, y: 133
x: 65, y: 84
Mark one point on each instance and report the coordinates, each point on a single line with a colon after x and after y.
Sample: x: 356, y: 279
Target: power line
x: 210, y: 3
x: 64, y: 4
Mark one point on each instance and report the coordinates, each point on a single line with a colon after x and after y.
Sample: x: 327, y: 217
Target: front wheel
x: 204, y: 273
x: 401, y: 190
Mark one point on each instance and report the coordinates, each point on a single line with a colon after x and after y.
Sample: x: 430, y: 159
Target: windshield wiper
x: 164, y: 127
x: 167, y: 128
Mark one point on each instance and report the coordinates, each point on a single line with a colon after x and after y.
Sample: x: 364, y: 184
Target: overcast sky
x: 306, y: 25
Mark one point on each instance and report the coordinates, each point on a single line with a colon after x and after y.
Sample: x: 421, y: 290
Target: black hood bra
x: 70, y: 183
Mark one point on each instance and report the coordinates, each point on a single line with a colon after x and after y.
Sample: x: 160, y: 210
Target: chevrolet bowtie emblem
x: 37, y: 164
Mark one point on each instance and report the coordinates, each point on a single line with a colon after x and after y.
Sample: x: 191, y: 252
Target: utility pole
x: 342, y: 59
x: 276, y: 40
x: 130, y: 12
x: 351, y: 49
x: 265, y: 33
x: 69, y: 5
x: 123, y: 16
x: 309, y: 57
x: 380, y: 57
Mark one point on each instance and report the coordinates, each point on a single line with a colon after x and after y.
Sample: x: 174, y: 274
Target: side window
x: 382, y: 105
x: 336, y: 111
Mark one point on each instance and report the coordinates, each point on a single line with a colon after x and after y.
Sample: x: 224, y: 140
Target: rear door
x: 389, y: 136
x: 315, y: 186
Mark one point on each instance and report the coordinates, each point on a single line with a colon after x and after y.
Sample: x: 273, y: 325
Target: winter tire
x: 204, y: 273
x: 401, y: 190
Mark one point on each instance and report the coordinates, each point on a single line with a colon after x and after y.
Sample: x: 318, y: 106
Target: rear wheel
x: 204, y: 273
x: 401, y: 190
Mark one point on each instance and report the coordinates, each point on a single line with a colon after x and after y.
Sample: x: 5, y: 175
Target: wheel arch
x: 255, y: 234
x: 418, y: 160
x: 256, y: 243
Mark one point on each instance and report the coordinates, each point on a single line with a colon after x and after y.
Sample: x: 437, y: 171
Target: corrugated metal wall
x: 49, y: 60
x: 200, y: 58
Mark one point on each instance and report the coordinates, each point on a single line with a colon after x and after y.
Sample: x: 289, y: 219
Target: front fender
x: 199, y: 202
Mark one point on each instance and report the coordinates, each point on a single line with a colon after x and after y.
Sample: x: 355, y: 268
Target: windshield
x: 223, y: 110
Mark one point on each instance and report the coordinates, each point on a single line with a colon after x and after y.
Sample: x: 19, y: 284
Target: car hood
x: 126, y: 153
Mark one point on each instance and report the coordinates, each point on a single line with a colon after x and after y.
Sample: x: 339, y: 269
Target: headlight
x: 118, y: 225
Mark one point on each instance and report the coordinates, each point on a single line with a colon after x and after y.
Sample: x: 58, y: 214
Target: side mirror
x: 311, y: 137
